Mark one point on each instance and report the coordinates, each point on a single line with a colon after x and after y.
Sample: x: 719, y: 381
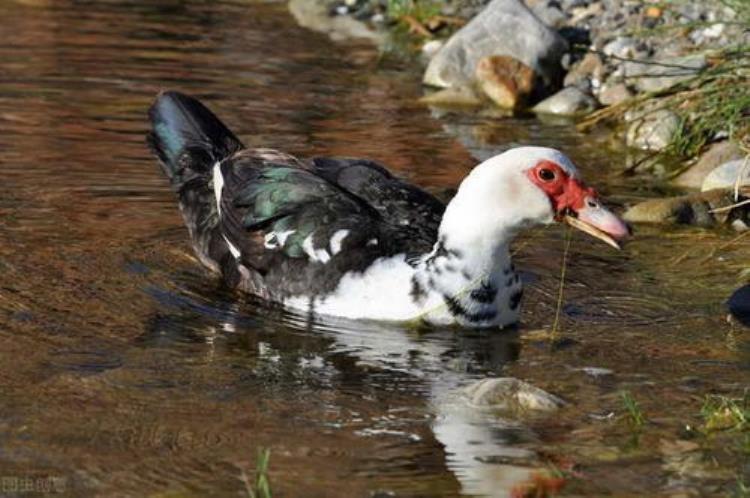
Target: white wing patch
x: 218, y: 186
x: 235, y: 252
x: 275, y: 240
x: 336, y: 240
x: 317, y: 255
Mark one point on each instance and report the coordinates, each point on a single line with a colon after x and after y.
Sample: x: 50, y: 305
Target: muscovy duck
x: 344, y: 237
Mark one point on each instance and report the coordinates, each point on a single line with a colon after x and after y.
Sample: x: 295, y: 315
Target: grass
x: 742, y: 490
x: 724, y: 413
x: 421, y: 10
x: 714, y: 102
x: 261, y: 487
x: 633, y: 412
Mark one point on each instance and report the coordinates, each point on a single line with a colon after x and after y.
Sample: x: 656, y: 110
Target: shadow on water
x: 126, y: 370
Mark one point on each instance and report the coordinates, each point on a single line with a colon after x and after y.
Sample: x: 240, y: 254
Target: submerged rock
x: 464, y: 96
x: 506, y: 81
x: 504, y: 27
x: 696, y: 209
x: 508, y: 393
x: 728, y: 175
x: 567, y: 102
x: 653, y: 130
x: 716, y: 155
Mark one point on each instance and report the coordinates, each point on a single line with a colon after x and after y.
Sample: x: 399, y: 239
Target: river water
x: 126, y: 369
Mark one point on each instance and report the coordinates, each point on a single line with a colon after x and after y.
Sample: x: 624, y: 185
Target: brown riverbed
x: 126, y: 370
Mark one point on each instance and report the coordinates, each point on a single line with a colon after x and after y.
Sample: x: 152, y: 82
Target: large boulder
x: 504, y: 27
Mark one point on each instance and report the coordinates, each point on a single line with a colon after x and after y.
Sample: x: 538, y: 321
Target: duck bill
x: 599, y: 222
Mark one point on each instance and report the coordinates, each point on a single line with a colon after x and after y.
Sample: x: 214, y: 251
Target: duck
x: 345, y: 237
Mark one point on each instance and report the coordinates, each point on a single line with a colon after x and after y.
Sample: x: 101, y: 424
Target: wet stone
x: 511, y: 394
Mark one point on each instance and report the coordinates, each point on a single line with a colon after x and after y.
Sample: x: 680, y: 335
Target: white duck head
x: 523, y: 187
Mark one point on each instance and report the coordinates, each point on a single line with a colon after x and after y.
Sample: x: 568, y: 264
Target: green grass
x: 421, y: 10
x: 742, y: 490
x: 724, y: 413
x: 261, y: 486
x: 633, y: 412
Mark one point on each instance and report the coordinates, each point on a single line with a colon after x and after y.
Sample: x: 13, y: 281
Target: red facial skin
x: 564, y: 191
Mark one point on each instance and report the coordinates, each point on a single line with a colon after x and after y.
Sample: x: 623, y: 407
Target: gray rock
x: 504, y: 27
x: 717, y: 154
x: 315, y: 15
x: 567, y: 102
x: 622, y: 46
x: 548, y: 11
x: 511, y: 394
x: 610, y: 95
x: 698, y: 209
x: 660, y: 74
x: 728, y: 175
x: 653, y: 130
x: 589, y: 72
x: 432, y: 47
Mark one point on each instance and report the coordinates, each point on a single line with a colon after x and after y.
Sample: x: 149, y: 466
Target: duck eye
x: 546, y: 174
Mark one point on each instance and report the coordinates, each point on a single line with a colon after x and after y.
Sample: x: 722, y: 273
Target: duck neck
x: 471, y: 270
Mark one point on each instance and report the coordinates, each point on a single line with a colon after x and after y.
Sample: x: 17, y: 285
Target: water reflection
x: 346, y: 355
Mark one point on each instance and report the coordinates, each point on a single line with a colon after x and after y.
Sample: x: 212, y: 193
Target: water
x: 126, y: 370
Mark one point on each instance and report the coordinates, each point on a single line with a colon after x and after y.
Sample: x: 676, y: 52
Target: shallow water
x: 126, y: 370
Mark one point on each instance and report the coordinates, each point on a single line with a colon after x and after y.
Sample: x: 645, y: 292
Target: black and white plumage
x: 345, y: 237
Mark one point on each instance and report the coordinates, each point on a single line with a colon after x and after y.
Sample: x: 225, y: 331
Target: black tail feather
x: 187, y: 137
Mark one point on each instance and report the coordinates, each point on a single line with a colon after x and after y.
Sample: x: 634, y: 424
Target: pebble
x: 567, y: 102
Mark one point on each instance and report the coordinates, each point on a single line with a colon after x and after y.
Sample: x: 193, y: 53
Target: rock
x: 717, y: 154
x: 695, y: 209
x: 653, y: 130
x: 622, y: 47
x: 727, y: 175
x: 315, y: 15
x: 568, y: 101
x: 504, y: 27
x: 548, y: 11
x: 508, y: 393
x: 587, y: 73
x: 506, y: 81
x: 739, y: 305
x: 463, y: 96
x: 610, y: 95
x: 432, y: 47
x: 660, y: 74
x: 705, y: 35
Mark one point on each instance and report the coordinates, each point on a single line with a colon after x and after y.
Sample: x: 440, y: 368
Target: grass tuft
x: 261, y: 487
x: 633, y: 412
x: 421, y: 10
x: 724, y: 413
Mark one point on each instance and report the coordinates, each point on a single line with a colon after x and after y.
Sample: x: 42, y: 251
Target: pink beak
x: 600, y: 222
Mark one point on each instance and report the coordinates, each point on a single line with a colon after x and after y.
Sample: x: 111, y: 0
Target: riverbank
x: 671, y: 80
